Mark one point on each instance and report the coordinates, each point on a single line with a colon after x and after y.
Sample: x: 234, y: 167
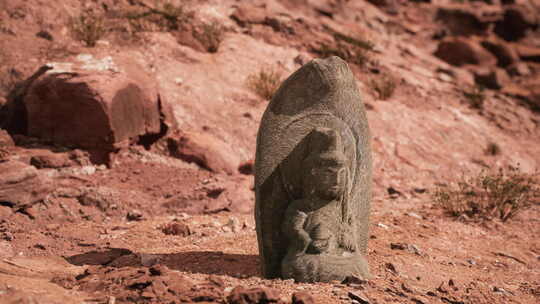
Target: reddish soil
x: 157, y: 227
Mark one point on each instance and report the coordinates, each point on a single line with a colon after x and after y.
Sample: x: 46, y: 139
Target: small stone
x: 8, y: 236
x: 399, y: 246
x: 39, y: 246
x: 519, y: 69
x: 406, y: 288
x: 176, y: 228
x: 359, y: 297
x: 134, y: 215
x: 391, y: 268
x: 414, y: 249
x: 354, y: 280
x: 382, y: 225
x: 241, y: 295
x: 302, y: 297
x: 415, y: 215
x: 233, y: 224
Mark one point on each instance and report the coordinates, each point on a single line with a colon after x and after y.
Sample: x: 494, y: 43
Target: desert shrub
x: 88, y: 27
x: 493, y: 149
x: 211, y: 36
x: 165, y: 16
x: 475, y: 97
x: 265, y: 82
x: 9, y: 78
x: 384, y: 86
x: 352, y: 49
x: 501, y: 195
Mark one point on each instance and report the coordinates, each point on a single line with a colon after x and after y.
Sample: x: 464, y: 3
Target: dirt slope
x: 160, y: 225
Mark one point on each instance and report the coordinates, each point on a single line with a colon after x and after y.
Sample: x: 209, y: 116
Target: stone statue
x: 313, y: 177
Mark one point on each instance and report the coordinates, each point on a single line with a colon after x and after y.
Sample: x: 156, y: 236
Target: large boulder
x: 461, y: 20
x: 205, y: 150
x: 5, y: 139
x: 96, y: 104
x: 22, y: 185
x: 461, y: 51
x: 504, y: 52
x: 517, y: 20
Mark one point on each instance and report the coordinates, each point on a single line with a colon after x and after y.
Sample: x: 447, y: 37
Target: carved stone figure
x: 313, y: 177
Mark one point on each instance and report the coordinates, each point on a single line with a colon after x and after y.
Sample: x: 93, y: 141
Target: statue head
x: 324, y: 169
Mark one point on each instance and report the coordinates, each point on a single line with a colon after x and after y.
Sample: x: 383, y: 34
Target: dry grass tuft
x: 384, y: 86
x: 265, y: 83
x: 493, y: 149
x: 487, y: 196
x: 475, y: 97
x: 211, y: 36
x: 351, y: 49
x: 88, y: 27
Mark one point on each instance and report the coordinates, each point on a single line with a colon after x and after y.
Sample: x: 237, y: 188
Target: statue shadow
x: 205, y: 262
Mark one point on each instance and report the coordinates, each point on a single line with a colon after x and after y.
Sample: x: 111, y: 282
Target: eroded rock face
x: 313, y: 177
x: 203, y: 149
x: 22, y: 185
x: 461, y: 51
x: 96, y: 104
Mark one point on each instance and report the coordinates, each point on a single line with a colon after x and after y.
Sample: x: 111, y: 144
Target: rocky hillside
x: 127, y: 138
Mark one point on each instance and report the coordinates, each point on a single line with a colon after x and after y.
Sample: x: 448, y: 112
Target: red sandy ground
x: 64, y: 252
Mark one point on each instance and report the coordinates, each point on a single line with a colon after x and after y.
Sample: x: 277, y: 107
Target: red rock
x: 491, y: 78
x: 519, y: 69
x: 5, y: 139
x: 516, y: 21
x: 505, y: 53
x: 302, y: 297
x: 249, y: 13
x: 95, y: 104
x: 461, y: 51
x: 528, y: 53
x: 246, y: 167
x: 205, y: 150
x: 258, y: 295
x: 51, y: 160
x: 462, y: 20
x: 22, y: 185
x: 175, y: 228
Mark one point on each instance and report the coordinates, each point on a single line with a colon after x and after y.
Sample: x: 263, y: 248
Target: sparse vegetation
x: 499, y: 195
x: 493, y: 149
x: 167, y: 17
x: 265, y: 82
x: 475, y: 97
x: 384, y: 86
x: 353, y: 50
x: 88, y: 27
x: 211, y: 36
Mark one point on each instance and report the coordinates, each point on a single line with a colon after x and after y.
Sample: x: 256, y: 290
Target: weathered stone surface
x: 94, y: 104
x: 461, y: 51
x: 205, y: 150
x: 248, y: 13
x: 313, y: 176
x: 462, y: 20
x: 528, y: 53
x: 5, y: 139
x: 51, y: 160
x: 258, y: 295
x: 503, y: 51
x: 519, y: 69
x: 516, y: 21
x: 302, y: 297
x: 22, y: 185
x: 493, y: 78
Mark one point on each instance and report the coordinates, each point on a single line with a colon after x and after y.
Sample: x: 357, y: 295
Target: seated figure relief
x: 313, y: 175
x: 318, y: 227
